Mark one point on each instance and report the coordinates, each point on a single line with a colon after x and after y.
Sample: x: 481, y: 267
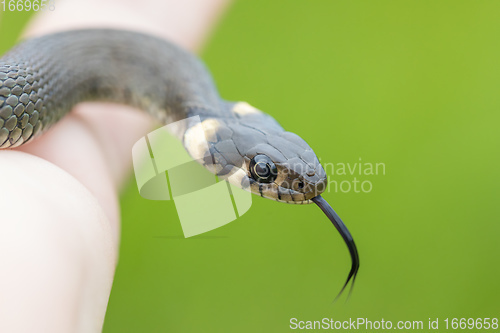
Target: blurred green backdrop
x: 411, y: 84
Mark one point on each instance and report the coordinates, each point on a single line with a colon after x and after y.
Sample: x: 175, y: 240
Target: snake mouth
x: 302, y: 189
x: 312, y: 190
x: 346, y: 235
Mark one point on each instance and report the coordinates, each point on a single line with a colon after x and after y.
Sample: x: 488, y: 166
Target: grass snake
x: 43, y: 78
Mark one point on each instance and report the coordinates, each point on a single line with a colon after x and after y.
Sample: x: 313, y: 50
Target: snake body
x: 42, y: 79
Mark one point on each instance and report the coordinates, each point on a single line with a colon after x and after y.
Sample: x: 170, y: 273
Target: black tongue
x: 346, y: 235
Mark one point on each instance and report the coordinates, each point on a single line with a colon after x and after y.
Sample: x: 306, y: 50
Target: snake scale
x: 43, y: 78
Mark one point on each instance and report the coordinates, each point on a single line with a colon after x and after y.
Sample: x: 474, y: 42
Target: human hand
x: 59, y: 226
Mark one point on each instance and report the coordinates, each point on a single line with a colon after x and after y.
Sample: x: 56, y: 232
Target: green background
x: 411, y: 84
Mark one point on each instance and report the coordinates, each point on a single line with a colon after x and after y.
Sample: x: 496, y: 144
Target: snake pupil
x: 263, y: 169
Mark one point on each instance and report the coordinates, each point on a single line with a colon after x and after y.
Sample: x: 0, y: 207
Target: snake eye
x: 263, y: 169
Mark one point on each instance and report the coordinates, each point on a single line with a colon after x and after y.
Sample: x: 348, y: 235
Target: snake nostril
x: 321, y: 187
x: 301, y: 185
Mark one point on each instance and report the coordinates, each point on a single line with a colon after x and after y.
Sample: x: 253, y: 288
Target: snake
x: 43, y: 78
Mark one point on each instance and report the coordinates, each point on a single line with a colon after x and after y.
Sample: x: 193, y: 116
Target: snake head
x: 251, y: 150
x: 285, y: 169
